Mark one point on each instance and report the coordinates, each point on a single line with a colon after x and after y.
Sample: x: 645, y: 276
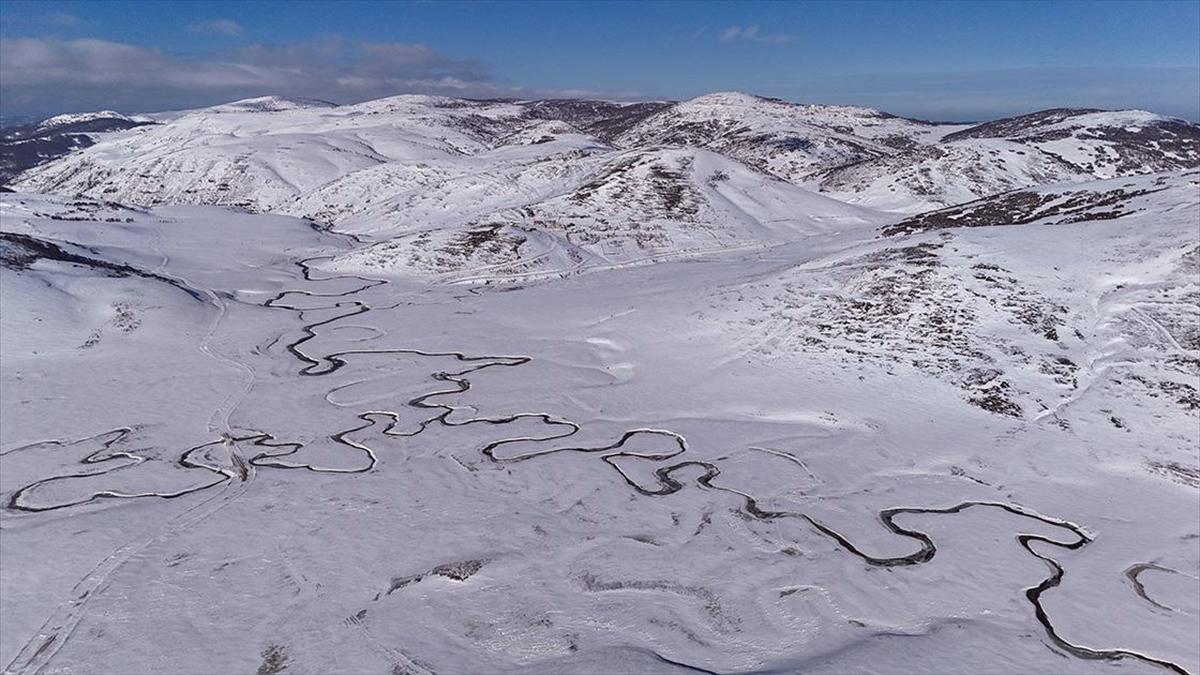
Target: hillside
x: 361, y: 163
x: 1050, y: 146
x: 730, y: 385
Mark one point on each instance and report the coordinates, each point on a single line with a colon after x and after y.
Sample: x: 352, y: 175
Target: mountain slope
x: 887, y: 436
x: 517, y: 396
x: 265, y: 155
x: 1029, y: 301
x: 314, y: 160
x: 788, y: 140
x: 1046, y: 147
x: 27, y: 146
x: 634, y: 207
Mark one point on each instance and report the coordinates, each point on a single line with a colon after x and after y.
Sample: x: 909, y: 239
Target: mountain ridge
x: 447, y: 167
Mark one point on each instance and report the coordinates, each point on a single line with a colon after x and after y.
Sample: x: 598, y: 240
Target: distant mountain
x: 637, y: 207
x: 788, y: 140
x: 1062, y: 203
x: 270, y: 104
x: 451, y: 186
x: 102, y: 117
x: 523, y: 381
x: 601, y: 119
x: 25, y: 146
x: 1035, y: 149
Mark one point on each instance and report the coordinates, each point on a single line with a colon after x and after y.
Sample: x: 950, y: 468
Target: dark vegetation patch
x: 487, y: 239
x: 1184, y: 394
x: 456, y: 571
x: 996, y: 400
x: 274, y: 661
x: 672, y: 189
x: 1023, y: 206
x: 459, y: 571
x: 615, y: 171
x: 1180, y: 473
x: 1020, y: 125
x: 601, y: 119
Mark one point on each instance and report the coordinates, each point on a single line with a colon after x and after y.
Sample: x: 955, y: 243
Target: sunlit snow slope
x: 426, y: 385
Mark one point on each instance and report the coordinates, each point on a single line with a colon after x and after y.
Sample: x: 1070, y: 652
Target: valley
x: 426, y: 385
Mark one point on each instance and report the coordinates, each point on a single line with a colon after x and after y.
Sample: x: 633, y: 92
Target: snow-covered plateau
x: 428, y: 385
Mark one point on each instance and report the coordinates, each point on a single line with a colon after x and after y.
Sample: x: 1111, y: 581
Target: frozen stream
x: 573, y: 476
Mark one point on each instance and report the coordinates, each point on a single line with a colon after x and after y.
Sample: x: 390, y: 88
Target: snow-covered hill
x: 812, y: 437
x: 632, y: 207
x: 1013, y: 298
x: 24, y: 147
x: 788, y: 140
x: 1045, y: 147
x: 1172, y: 193
x: 434, y: 171
x: 426, y: 385
x: 68, y: 119
x: 269, y: 104
x: 411, y: 162
x: 268, y: 156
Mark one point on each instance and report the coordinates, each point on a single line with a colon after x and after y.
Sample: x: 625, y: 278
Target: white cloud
x: 52, y: 62
x: 51, y: 75
x: 753, y: 34
x: 217, y: 27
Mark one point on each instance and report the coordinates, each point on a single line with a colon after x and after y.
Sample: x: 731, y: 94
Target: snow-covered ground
x: 564, y: 402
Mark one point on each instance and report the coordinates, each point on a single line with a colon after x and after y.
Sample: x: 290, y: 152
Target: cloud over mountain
x: 53, y: 74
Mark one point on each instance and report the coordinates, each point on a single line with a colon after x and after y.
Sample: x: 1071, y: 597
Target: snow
x: 544, y: 402
x: 75, y: 118
x: 269, y: 104
x: 1037, y: 149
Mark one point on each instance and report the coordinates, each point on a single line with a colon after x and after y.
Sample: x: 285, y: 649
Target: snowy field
x: 745, y: 427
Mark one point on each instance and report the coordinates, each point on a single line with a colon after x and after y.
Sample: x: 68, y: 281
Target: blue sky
x: 965, y: 60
